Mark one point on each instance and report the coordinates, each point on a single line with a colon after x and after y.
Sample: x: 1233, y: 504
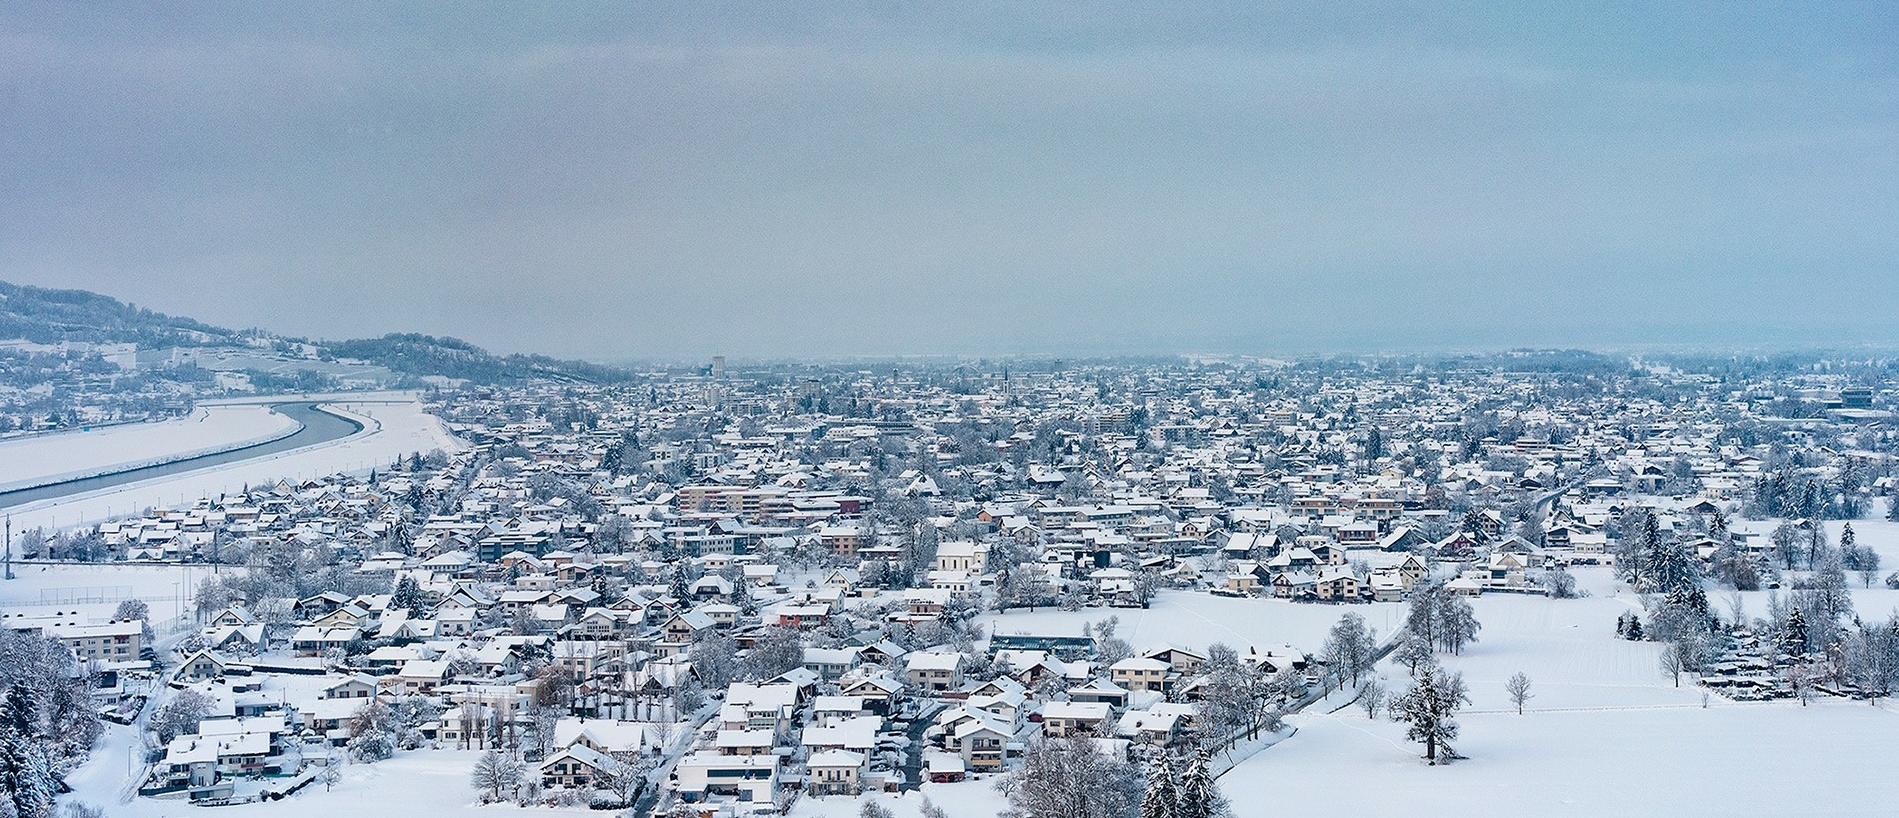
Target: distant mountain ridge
x: 43, y: 315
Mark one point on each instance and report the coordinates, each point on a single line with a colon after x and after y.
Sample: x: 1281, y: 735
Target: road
x: 318, y: 427
x: 912, y: 768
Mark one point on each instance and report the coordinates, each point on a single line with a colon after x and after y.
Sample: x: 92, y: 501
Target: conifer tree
x: 26, y: 776
x: 1198, y: 797
x: 408, y: 596
x: 742, y: 597
x: 1793, y: 636
x: 1157, y: 800
x: 679, y: 589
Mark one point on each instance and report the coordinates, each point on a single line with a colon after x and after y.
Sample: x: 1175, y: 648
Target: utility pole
x: 9, y: 546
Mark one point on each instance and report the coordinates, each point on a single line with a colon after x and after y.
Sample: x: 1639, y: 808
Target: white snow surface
x: 38, y: 461
x: 974, y: 798
x: 93, y: 591
x: 1730, y: 759
x: 394, y: 428
x: 414, y: 784
x: 1195, y: 619
x: 1606, y: 733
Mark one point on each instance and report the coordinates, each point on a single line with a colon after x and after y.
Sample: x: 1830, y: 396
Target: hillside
x: 50, y: 316
x: 46, y: 316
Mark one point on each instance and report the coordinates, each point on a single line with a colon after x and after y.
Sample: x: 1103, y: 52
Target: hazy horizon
x: 624, y: 183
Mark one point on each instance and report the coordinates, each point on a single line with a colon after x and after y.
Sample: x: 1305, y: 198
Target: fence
x: 83, y: 594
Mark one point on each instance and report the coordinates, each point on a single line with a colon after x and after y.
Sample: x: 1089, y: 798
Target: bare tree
x: 1349, y: 648
x: 495, y: 773
x: 1070, y: 777
x: 1371, y: 697
x: 1519, y: 690
x: 1800, y: 678
x: 777, y: 650
x: 180, y: 716
x: 1429, y: 707
x: 1672, y: 662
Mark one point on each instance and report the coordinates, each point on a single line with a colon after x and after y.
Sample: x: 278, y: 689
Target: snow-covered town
x: 960, y: 591
x: 1074, y: 409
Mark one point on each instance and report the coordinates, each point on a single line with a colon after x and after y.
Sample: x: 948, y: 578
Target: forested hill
x: 46, y: 316
x: 414, y: 354
x: 50, y: 316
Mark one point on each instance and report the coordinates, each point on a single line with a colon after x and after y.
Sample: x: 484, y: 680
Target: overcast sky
x: 636, y: 180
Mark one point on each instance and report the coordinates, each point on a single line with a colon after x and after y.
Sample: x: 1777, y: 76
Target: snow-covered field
x: 93, y: 591
x: 975, y: 798
x: 414, y: 784
x: 38, y: 461
x: 393, y: 429
x: 1607, y: 733
x: 1196, y: 619
x: 1730, y: 760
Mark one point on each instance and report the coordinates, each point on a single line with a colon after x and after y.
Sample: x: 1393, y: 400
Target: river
x: 318, y: 427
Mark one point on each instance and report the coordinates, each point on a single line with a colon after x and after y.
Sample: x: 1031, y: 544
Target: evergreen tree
x: 742, y: 597
x: 408, y: 596
x: 1198, y: 797
x: 26, y: 776
x: 18, y: 711
x: 1793, y: 635
x: 1810, y: 504
x: 1157, y: 800
x: 1892, y: 509
x: 679, y: 589
x: 1669, y: 568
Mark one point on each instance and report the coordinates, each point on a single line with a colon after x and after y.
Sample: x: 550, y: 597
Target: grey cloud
x: 611, y: 183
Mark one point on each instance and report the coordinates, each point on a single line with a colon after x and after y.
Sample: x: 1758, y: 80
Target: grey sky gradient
x: 633, y: 180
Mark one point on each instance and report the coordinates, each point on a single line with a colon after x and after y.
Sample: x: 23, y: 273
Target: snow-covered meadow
x: 1730, y: 759
x: 1606, y: 733
x: 92, y: 591
x: 1197, y: 619
x: 414, y: 784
